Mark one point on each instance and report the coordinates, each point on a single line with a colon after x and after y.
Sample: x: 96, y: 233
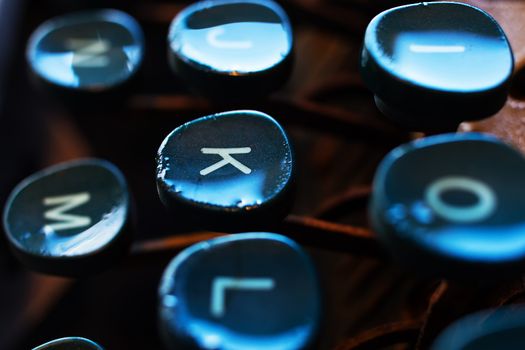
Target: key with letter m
x: 64, y: 203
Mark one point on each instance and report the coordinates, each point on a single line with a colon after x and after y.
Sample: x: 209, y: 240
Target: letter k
x: 226, y: 153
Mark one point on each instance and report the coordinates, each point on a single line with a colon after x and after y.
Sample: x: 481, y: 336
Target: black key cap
x: 70, y: 219
x: 91, y: 51
x: 246, y: 291
x: 433, y: 65
x: 452, y: 204
x: 503, y: 328
x: 230, y: 171
x: 70, y: 343
x: 228, y: 49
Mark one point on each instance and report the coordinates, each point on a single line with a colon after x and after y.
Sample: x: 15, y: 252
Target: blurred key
x: 92, y: 51
x: 247, y: 291
x: 227, y: 171
x: 451, y: 205
x: 503, y: 328
x: 231, y: 49
x: 433, y: 65
x: 70, y: 343
x: 70, y: 219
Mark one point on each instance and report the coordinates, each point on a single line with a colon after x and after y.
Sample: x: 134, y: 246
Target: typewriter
x: 386, y: 215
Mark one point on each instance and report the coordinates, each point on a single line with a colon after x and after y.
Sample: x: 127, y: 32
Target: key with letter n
x: 89, y: 52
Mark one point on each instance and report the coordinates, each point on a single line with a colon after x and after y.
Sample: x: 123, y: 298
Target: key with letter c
x: 452, y: 204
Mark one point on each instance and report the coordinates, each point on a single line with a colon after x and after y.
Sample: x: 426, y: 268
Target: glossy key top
x: 451, y: 205
x: 70, y: 219
x: 432, y: 65
x: 227, y: 171
x: 248, y: 291
x: 231, y: 48
x: 89, y: 51
x: 502, y: 328
x: 69, y: 343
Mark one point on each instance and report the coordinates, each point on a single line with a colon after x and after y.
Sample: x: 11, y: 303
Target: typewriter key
x: 90, y: 51
x: 70, y: 343
x: 245, y: 291
x: 502, y: 328
x: 229, y: 171
x: 433, y: 65
x: 69, y: 219
x: 452, y: 204
x: 228, y: 49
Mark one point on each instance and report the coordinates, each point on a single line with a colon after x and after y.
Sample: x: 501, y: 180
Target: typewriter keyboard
x: 261, y: 175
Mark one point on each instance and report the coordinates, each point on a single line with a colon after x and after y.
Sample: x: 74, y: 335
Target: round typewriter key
x: 486, y: 330
x: 230, y: 170
x: 451, y: 205
x: 70, y: 343
x: 228, y: 48
x: 69, y: 219
x: 247, y: 291
x: 433, y: 65
x: 91, y: 51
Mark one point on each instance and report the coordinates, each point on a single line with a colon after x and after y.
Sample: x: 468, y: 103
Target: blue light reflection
x: 214, y: 336
x: 241, y: 191
x: 450, y: 60
x: 253, y: 46
x: 479, y: 243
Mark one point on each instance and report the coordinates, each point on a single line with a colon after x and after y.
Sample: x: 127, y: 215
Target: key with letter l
x: 244, y: 291
x: 70, y: 219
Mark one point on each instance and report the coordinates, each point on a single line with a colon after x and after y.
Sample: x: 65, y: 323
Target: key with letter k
x: 226, y: 153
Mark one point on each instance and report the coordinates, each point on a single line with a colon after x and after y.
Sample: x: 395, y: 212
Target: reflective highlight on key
x: 91, y: 50
x: 232, y: 37
x: 452, y: 203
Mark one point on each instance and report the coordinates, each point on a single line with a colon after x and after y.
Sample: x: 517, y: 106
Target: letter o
x: 485, y: 206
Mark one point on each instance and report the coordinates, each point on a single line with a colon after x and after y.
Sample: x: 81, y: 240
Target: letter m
x: 63, y: 204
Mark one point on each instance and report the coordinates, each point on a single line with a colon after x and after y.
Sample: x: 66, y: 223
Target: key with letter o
x: 232, y: 48
x: 451, y: 205
x: 227, y: 171
x: 70, y: 219
x: 69, y: 343
x: 244, y: 291
x: 433, y: 65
